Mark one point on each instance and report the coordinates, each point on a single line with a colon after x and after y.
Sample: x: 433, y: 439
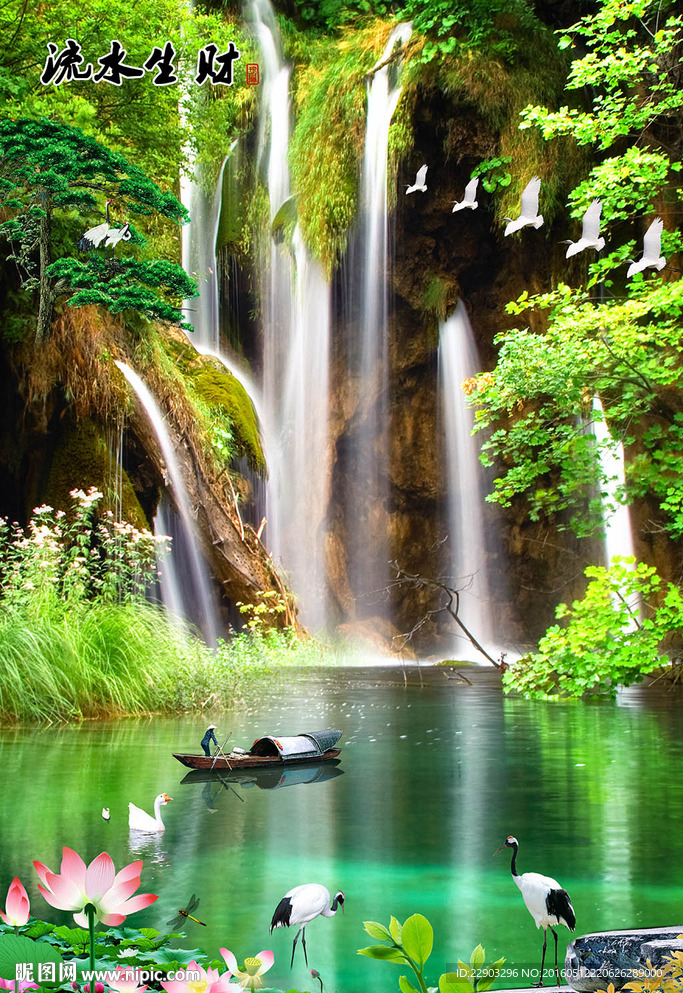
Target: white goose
x: 139, y: 820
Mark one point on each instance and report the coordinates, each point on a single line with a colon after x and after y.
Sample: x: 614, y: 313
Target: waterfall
x: 618, y: 537
x: 197, y: 573
x: 199, y: 259
x: 295, y: 303
x: 200, y: 263
x: 458, y: 361
x: 170, y: 585
x: 368, y: 487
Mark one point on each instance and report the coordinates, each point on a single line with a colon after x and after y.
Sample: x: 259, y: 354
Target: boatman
x: 208, y: 738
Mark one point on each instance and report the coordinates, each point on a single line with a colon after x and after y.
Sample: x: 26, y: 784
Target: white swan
x: 138, y: 820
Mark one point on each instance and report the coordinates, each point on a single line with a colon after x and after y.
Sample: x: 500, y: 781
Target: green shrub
x: 612, y: 637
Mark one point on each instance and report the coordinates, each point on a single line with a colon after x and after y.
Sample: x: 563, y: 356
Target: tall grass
x: 101, y: 659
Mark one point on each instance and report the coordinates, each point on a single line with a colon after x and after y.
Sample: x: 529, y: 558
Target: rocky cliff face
x: 440, y: 257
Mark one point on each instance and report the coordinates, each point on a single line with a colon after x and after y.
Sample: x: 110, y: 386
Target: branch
x: 392, y: 58
x: 415, y: 581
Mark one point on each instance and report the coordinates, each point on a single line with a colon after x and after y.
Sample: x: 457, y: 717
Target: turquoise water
x: 435, y: 775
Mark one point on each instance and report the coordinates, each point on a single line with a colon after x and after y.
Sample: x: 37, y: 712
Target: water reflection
x: 149, y: 848
x: 271, y: 778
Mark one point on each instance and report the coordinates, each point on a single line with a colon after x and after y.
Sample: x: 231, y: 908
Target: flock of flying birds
x: 530, y: 217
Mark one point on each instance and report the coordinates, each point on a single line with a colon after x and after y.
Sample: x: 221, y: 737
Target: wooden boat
x: 271, y: 750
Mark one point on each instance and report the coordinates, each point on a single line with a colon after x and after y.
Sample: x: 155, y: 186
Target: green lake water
x: 435, y: 775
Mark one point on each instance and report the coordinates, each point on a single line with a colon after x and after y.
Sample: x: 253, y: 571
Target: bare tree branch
x: 450, y: 603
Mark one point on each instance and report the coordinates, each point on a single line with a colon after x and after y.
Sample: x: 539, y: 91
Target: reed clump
x: 102, y: 659
x: 79, y: 639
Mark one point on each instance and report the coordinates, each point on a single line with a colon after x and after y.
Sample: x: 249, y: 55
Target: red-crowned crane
x: 545, y: 900
x: 93, y: 237
x: 303, y: 904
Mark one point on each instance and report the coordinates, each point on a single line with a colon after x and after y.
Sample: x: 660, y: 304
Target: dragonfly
x: 192, y: 904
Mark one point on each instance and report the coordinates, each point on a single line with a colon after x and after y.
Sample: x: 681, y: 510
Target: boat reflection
x: 264, y: 779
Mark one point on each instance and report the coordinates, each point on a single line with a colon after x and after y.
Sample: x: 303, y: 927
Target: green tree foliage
x: 329, y: 14
x: 605, y: 336
x: 611, y: 637
x: 138, y: 119
x: 48, y: 169
x: 621, y: 341
x: 497, y: 25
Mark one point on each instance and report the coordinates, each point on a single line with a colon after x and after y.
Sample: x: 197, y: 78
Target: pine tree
x: 48, y: 170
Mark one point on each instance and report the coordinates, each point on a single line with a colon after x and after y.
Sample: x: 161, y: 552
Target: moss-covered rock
x: 217, y: 391
x: 225, y: 395
x: 83, y: 458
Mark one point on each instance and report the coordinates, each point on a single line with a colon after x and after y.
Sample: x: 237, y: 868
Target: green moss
x: 437, y: 295
x: 223, y: 394
x: 327, y: 145
x: 82, y: 458
x: 237, y: 189
x: 215, y: 396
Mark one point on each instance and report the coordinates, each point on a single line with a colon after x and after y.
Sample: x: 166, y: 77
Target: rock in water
x: 596, y: 960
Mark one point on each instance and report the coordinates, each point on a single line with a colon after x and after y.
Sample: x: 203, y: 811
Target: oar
x: 220, y: 752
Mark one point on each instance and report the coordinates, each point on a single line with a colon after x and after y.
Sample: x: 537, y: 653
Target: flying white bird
x: 419, y: 181
x: 652, y: 246
x: 590, y: 232
x: 302, y: 905
x: 545, y: 900
x: 529, y: 216
x: 470, y: 198
x: 139, y: 820
x: 115, y: 235
x: 93, y: 237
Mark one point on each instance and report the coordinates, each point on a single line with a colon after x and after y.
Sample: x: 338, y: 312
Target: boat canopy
x: 309, y: 745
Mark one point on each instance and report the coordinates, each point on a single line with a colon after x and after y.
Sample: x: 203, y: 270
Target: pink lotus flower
x: 17, y: 905
x: 208, y: 982
x: 109, y: 892
x: 124, y: 981
x: 254, y: 968
x: 17, y: 987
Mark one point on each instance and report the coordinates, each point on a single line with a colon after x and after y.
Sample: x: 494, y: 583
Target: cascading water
x: 203, y: 312
x: 295, y: 303
x: 617, y: 519
x: 170, y: 585
x: 199, y: 260
x: 458, y: 361
x: 368, y: 489
x: 197, y: 574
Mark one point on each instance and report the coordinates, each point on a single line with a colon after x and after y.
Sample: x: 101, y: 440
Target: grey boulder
x: 596, y: 960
